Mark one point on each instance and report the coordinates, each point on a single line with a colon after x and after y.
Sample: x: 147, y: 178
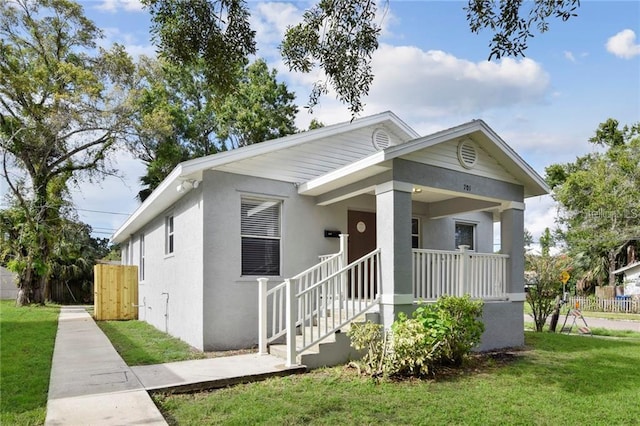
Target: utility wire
x: 102, y: 211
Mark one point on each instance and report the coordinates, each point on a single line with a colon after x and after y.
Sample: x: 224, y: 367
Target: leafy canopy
x: 599, y: 195
x: 62, y: 110
x: 179, y: 114
x: 337, y: 37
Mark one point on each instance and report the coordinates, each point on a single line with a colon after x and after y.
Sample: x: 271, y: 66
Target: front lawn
x: 27, y: 337
x: 139, y: 343
x: 559, y: 379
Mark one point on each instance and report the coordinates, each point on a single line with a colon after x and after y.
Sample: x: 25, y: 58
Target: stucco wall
x: 178, y: 275
x: 439, y: 234
x: 230, y: 299
x: 504, y: 325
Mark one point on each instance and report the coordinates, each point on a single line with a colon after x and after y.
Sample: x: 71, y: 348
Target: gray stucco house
x: 419, y: 212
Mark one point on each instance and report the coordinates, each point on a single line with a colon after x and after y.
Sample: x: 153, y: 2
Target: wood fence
x: 623, y: 305
x: 115, y: 292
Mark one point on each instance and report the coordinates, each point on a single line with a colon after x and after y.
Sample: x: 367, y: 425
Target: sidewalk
x: 593, y: 322
x: 91, y: 384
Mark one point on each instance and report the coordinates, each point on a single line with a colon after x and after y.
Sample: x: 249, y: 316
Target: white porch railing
x: 335, y: 300
x: 456, y: 273
x: 317, y: 302
x: 273, y: 300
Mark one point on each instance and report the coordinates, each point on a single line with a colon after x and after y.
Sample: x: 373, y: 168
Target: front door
x: 362, y: 241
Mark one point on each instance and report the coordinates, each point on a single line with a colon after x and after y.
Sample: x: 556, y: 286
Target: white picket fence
x: 626, y: 305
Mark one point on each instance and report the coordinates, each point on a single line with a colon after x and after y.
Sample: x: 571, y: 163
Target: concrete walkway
x: 211, y: 373
x: 90, y: 383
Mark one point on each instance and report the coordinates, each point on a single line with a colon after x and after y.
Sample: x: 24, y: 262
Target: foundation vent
x: 467, y: 153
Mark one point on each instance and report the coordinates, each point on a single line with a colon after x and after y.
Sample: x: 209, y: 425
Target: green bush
x: 413, y: 348
x: 441, y: 333
x: 369, y: 338
x: 454, y: 323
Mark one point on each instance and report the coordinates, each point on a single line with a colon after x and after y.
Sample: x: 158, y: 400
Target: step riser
x: 333, y: 350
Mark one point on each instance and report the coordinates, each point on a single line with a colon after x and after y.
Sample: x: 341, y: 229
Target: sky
x: 433, y: 73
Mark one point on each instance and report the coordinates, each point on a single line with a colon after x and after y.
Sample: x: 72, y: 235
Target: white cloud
x: 436, y: 84
x: 130, y: 42
x: 113, y: 194
x: 569, y: 55
x: 270, y: 21
x: 115, y: 5
x: 540, y: 213
x: 623, y: 44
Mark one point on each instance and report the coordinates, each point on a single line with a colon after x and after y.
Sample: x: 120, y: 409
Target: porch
x: 310, y: 307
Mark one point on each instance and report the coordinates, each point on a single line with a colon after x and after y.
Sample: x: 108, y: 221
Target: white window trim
x: 474, y: 225
x: 169, y: 235
x: 267, y: 199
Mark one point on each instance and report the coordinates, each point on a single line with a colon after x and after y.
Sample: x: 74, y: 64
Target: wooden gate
x: 115, y: 292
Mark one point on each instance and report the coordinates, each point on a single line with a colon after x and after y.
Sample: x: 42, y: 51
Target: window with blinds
x: 260, y: 233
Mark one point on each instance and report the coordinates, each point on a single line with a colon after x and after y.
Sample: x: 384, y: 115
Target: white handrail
x: 272, y: 315
x: 336, y: 300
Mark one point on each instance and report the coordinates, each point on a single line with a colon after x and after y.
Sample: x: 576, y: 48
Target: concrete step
x: 335, y: 349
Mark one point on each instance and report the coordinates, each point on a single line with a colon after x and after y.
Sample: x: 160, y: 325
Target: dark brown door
x: 362, y: 241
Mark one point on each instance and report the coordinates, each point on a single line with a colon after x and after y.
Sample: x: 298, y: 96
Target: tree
x: 599, y: 196
x: 180, y: 115
x: 542, y: 277
x: 62, y: 110
x: 259, y: 110
x: 338, y: 37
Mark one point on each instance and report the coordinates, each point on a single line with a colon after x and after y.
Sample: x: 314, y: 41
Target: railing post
x: 262, y: 316
x: 344, y: 261
x: 463, y: 269
x: 291, y: 306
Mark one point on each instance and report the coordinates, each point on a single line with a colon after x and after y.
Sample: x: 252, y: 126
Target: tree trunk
x: 23, y: 297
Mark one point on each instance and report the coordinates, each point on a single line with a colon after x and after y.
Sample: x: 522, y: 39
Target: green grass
x: 27, y: 337
x: 560, y: 380
x: 139, y: 343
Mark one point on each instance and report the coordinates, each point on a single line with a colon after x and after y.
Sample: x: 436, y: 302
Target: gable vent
x: 381, y: 139
x: 467, y: 153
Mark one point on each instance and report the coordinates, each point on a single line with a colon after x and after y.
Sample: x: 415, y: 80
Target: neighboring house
x: 218, y: 223
x: 631, y: 278
x: 8, y: 287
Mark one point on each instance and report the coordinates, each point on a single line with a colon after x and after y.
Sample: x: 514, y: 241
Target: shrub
x: 368, y: 338
x: 413, y: 349
x: 439, y: 333
x: 454, y: 323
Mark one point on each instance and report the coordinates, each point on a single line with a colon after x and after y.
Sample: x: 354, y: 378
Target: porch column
x: 512, y: 243
x: 393, y: 212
